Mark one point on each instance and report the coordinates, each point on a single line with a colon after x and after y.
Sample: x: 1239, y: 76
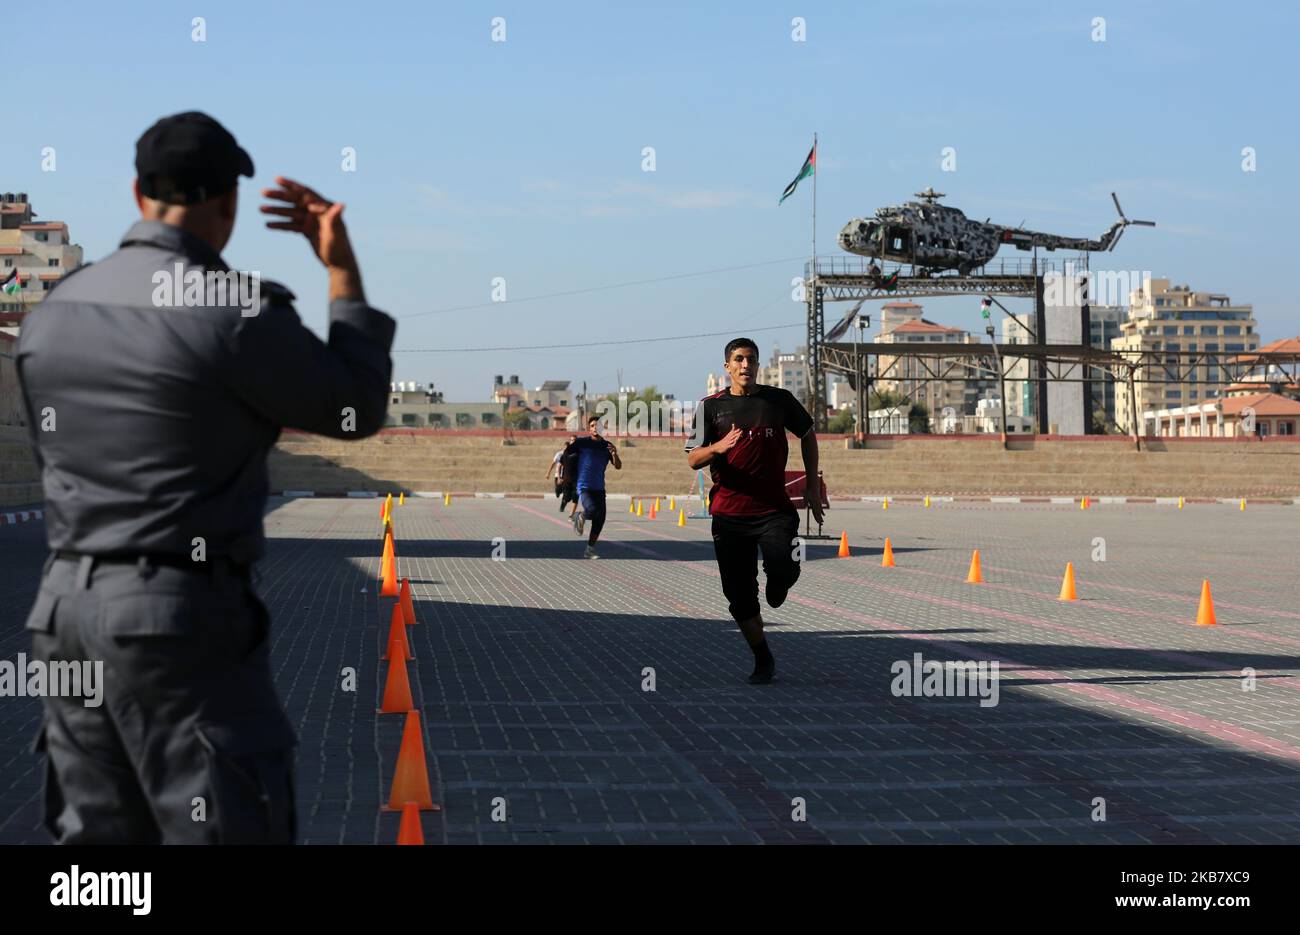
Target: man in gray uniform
x: 155, y: 382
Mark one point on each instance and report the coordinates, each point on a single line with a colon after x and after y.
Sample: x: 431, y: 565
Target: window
x: 1214, y: 346
x: 8, y: 263
x: 53, y: 261
x: 1286, y: 427
x: 1210, y: 329
x: 1261, y: 429
x: 1188, y: 329
x: 46, y: 286
x: 463, y: 419
x: 1169, y: 330
x: 488, y: 418
x: 42, y: 236
x: 410, y: 418
x: 1174, y: 394
x: 1234, y: 347
x: 396, y: 400
x: 1231, y: 329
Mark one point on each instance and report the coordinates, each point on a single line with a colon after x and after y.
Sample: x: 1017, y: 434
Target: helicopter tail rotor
x: 1123, y: 222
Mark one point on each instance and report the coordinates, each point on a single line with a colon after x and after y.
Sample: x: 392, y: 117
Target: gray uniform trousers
x: 190, y: 743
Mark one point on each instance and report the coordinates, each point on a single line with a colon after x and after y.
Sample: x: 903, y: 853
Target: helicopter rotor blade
x: 1118, y: 234
x: 1118, y: 209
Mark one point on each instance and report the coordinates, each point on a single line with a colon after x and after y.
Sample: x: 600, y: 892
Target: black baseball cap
x: 188, y: 158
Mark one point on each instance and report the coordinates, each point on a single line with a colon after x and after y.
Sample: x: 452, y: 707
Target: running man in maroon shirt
x: 740, y: 434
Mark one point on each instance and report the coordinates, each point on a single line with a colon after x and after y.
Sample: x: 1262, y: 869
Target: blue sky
x: 522, y: 160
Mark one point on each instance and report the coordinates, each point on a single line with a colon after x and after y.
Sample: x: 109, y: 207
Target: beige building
x: 902, y: 323
x: 418, y: 406
x: 41, y: 254
x: 1242, y: 414
x: 788, y: 371
x: 1174, y: 318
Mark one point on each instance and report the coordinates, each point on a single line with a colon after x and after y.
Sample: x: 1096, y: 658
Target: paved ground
x: 529, y: 677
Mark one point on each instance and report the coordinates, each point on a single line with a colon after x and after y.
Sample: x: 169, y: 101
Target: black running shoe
x: 775, y: 595
x: 762, y: 674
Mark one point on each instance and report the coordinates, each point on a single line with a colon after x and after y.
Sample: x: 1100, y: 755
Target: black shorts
x: 737, y: 541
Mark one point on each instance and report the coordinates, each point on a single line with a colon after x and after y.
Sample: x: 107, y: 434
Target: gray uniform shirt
x: 151, y: 422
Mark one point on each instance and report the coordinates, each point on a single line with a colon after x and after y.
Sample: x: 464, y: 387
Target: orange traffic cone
x: 389, y: 588
x: 410, y: 832
x: 975, y: 576
x: 388, y: 554
x: 654, y: 510
x: 1083, y: 503
x: 1205, y: 613
x: 397, y: 689
x: 397, y: 646
x: 411, y: 777
x: 1067, y: 585
x: 887, y: 560
x: 844, y: 545
x: 404, y: 601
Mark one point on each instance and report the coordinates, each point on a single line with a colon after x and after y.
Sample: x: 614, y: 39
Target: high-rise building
x: 1106, y: 323
x: 1174, y: 318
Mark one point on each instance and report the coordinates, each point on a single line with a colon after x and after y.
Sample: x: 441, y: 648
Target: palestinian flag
x: 809, y: 168
x: 890, y: 282
x: 11, y: 284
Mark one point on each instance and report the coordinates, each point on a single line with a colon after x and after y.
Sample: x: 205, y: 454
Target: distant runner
x: 594, y: 455
x: 740, y: 434
x: 565, y: 465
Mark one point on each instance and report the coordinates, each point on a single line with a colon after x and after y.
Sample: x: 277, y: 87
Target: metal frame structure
x: 842, y: 279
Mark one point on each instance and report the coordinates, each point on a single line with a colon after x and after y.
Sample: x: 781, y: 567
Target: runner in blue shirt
x: 595, y: 454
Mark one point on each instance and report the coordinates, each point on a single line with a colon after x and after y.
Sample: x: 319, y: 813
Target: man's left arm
x: 614, y: 458
x: 813, y: 490
x: 798, y: 421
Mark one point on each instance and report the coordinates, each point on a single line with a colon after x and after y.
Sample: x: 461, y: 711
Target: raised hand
x: 316, y: 218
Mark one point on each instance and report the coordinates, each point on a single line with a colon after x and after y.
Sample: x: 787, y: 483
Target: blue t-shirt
x: 593, y: 458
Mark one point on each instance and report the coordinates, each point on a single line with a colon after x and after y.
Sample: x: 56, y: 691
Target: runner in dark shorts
x: 740, y: 434
x: 595, y: 455
x: 565, y: 464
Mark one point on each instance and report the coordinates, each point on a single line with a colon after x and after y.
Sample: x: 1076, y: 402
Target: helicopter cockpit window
x: 900, y: 239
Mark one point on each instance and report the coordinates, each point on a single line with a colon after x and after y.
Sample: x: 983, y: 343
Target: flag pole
x: 814, y: 214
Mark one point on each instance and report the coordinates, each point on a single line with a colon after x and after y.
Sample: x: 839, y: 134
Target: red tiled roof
x: 46, y: 226
x: 1282, y: 346
x: 900, y: 305
x: 10, y: 251
x: 1264, y: 404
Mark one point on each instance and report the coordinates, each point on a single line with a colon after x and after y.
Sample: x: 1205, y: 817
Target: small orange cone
x: 397, y: 646
x: 410, y: 832
x: 1205, y: 613
x: 411, y: 777
x: 887, y: 560
x: 1083, y: 503
x: 1067, y: 585
x: 844, y: 545
x: 975, y: 576
x: 654, y: 510
x: 397, y: 689
x: 404, y: 601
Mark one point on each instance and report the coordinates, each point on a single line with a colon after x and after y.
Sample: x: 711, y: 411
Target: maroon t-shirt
x: 749, y: 480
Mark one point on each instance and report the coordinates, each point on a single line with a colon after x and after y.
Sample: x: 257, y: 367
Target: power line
x: 544, y: 347
x: 589, y: 289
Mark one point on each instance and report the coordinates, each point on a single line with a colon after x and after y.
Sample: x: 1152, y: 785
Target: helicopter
x: 935, y: 237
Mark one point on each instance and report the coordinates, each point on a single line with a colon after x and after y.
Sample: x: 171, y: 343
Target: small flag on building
x: 11, y: 284
x: 809, y: 168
